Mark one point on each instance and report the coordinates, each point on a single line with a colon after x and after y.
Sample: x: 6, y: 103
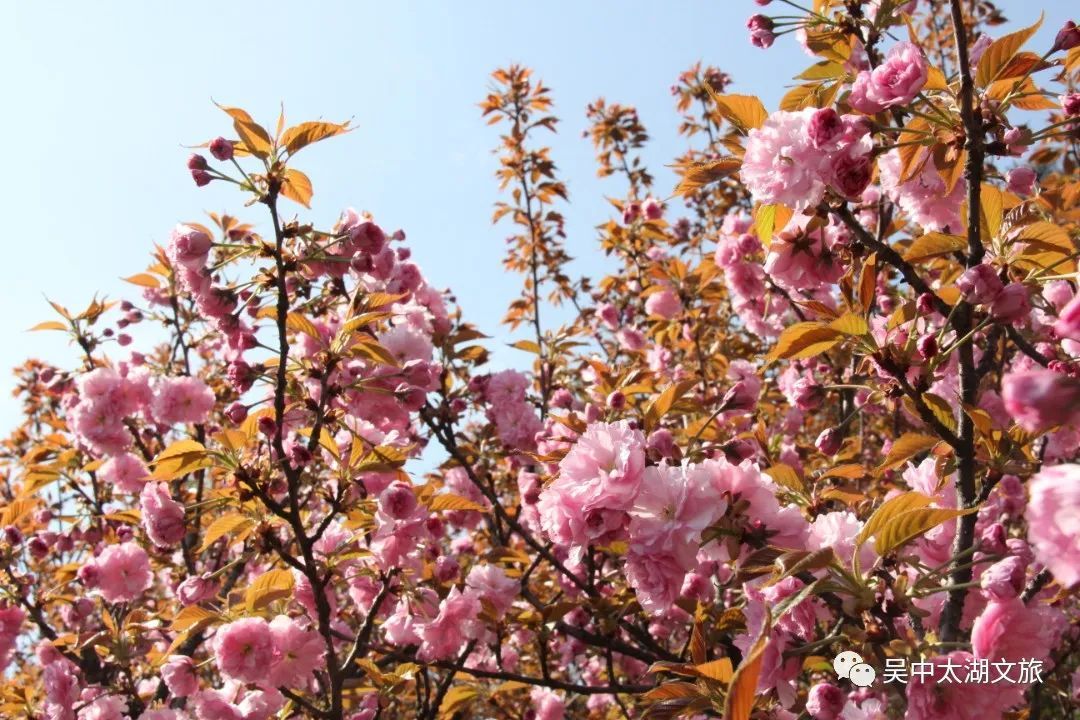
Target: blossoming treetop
x: 826, y: 402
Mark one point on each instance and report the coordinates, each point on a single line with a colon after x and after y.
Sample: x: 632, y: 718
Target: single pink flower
x: 244, y: 650
x: 123, y: 572
x: 181, y: 400
x: 1053, y: 517
x: 1039, y: 399
x: 298, y: 652
x: 162, y: 517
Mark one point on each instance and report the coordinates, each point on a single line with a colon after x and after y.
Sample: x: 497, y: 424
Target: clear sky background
x: 101, y: 96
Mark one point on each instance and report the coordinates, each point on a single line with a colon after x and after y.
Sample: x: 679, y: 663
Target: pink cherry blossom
x: 181, y: 400
x: 298, y: 652
x: 244, y: 649
x: 162, y: 517
x: 124, y: 471
x: 123, y: 572
x: 1039, y: 399
x: 1053, y: 517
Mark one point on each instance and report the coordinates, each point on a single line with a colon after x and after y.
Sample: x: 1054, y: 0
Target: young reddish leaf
x: 745, y: 112
x: 144, y: 280
x: 50, y: 325
x: 231, y: 524
x: 296, y: 186
x: 934, y: 244
x: 904, y: 527
x: 270, y: 586
x: 905, y: 447
x: 307, y: 133
x: 996, y: 57
x: 743, y: 688
x: 888, y: 510
x: 701, y: 174
x: 803, y: 340
x: 254, y: 136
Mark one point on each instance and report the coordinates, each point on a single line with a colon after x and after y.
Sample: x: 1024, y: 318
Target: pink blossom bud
x: 237, y: 413
x: 1071, y: 104
x: 927, y: 346
x: 761, y: 31
x: 267, y: 426
x: 1068, y: 322
x: 201, y: 177
x: 979, y: 285
x: 38, y: 547
x: 447, y: 569
x: 662, y: 442
x: 1011, y: 304
x: 13, y: 536
x: 196, y: 588
x: 221, y: 149
x: 825, y: 701
x: 179, y: 676
x: 592, y: 413
x: 652, y: 208
x: 808, y: 394
x: 925, y: 303
x: 299, y: 455
x: 1021, y: 180
x: 1067, y: 38
x: 608, y: 314
x: 829, y: 441
x: 616, y: 400
x: 397, y: 501
x: 1004, y: 579
x: 88, y: 575
x: 562, y: 399
x: 631, y: 212
x: 992, y: 539
x: 825, y: 127
x: 196, y: 162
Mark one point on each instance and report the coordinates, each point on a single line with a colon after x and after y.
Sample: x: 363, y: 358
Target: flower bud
x: 824, y: 127
x: 1071, y: 104
x: 825, y: 701
x: 267, y: 426
x: 1011, y: 304
x: 221, y: 149
x: 927, y: 346
x: 201, y: 177
x: 616, y: 400
x: 1067, y: 38
x: 979, y: 285
x: 761, y: 31
x: 1021, y: 180
x: 1004, y: 579
x: 196, y: 162
x: 925, y: 303
x: 829, y: 441
x: 652, y: 208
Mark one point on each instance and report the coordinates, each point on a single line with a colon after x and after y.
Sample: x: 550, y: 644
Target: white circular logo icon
x: 862, y: 675
x: 845, y: 661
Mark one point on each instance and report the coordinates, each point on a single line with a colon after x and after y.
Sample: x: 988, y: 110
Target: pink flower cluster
x: 894, y: 82
x: 121, y: 573
x: 922, y: 198
x: 106, y: 399
x: 508, y: 408
x: 794, y: 156
x: 279, y: 653
x: 605, y: 493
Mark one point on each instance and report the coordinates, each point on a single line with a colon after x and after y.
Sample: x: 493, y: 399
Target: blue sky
x: 100, y: 98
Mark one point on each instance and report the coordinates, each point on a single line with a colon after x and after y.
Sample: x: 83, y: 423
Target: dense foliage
x: 827, y: 401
